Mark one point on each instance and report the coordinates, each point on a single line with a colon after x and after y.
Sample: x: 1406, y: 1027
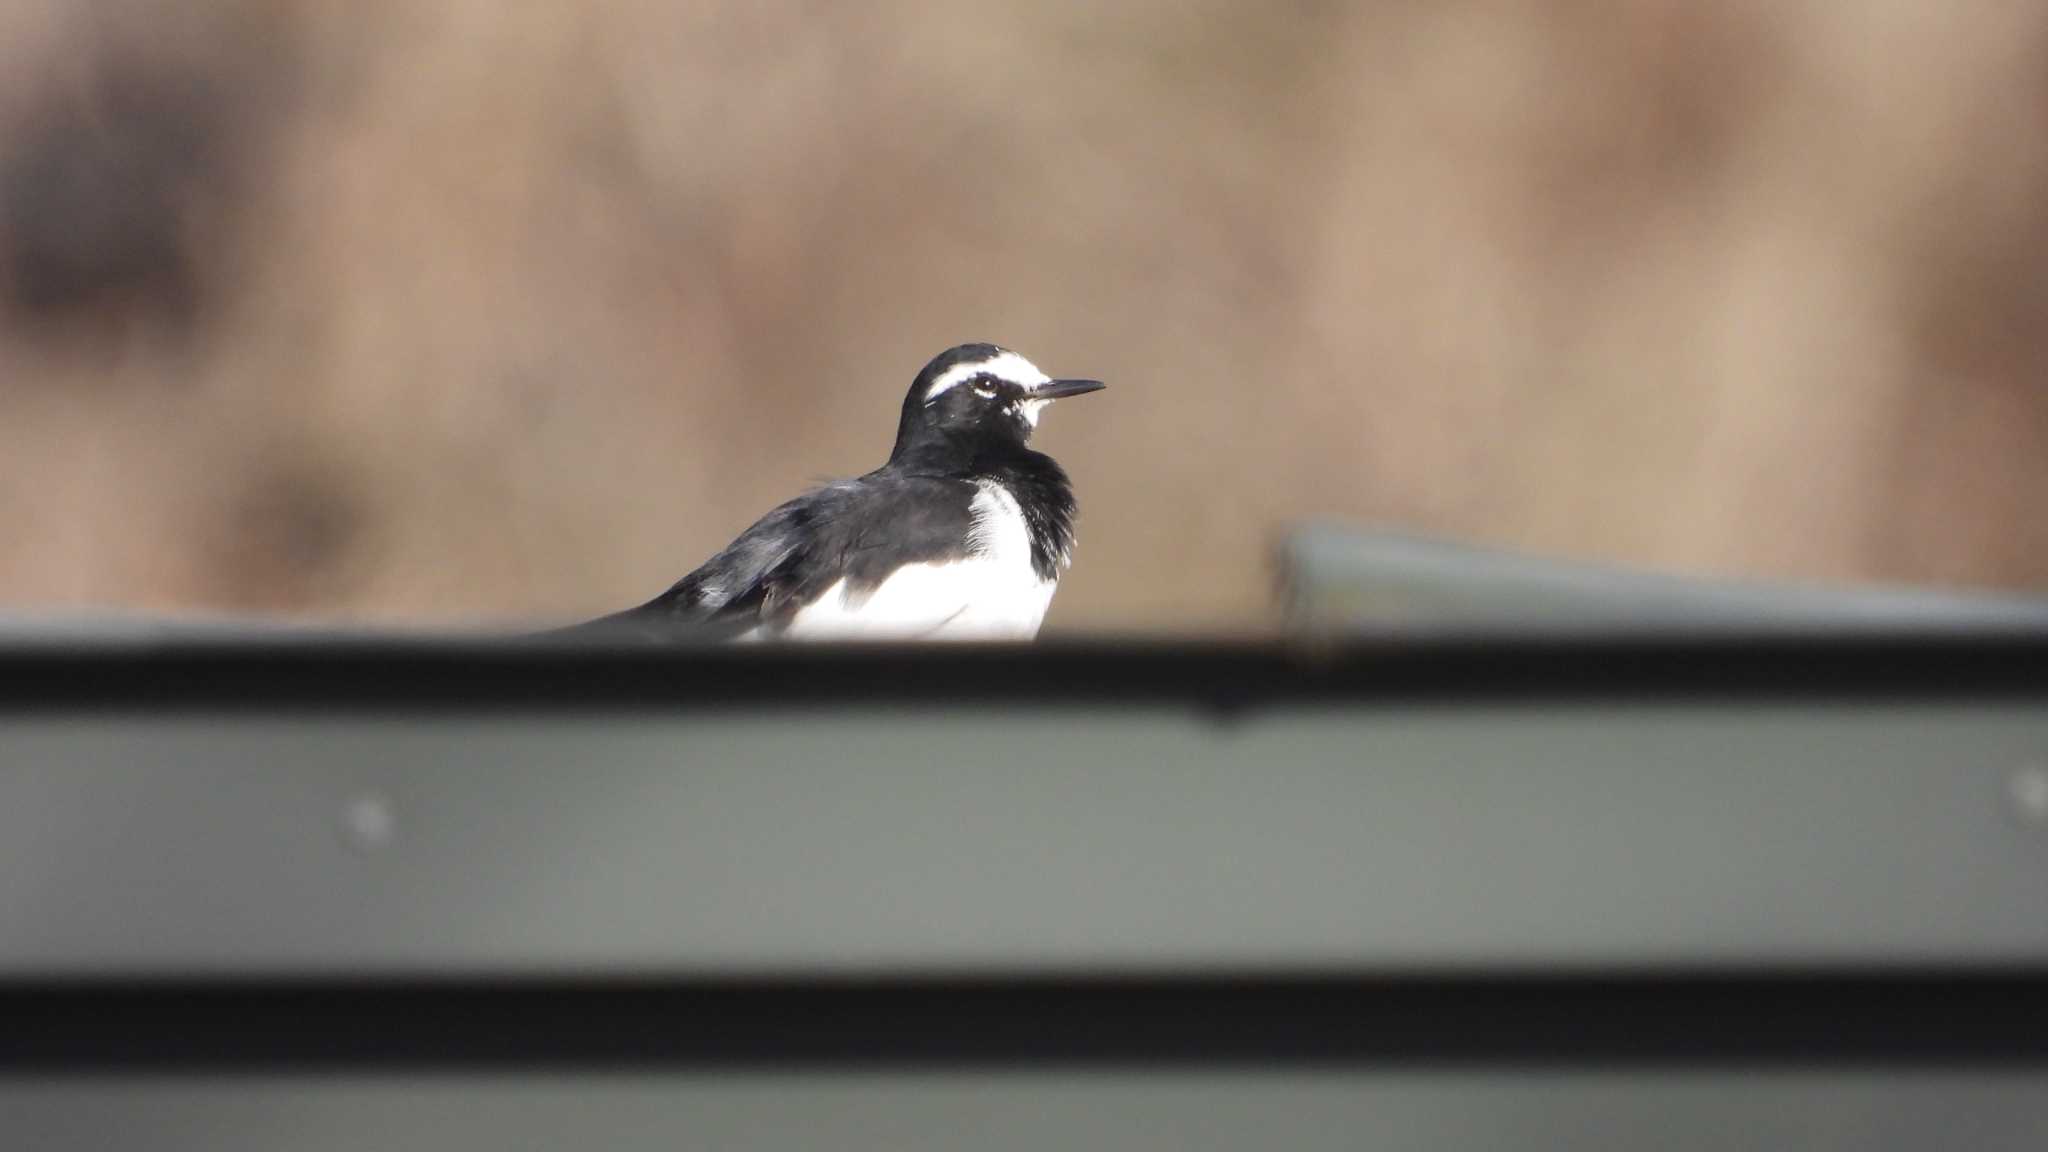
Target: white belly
x: 968, y: 600
x: 993, y: 593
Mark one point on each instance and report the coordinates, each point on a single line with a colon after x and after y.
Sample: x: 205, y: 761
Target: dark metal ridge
x: 1793, y: 1018
x: 1226, y: 677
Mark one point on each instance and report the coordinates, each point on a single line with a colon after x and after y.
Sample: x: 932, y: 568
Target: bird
x: 962, y: 534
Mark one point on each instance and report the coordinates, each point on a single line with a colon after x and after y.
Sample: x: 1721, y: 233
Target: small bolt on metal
x: 2028, y: 788
x: 368, y: 822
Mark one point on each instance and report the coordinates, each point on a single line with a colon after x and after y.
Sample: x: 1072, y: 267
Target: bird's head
x: 980, y: 393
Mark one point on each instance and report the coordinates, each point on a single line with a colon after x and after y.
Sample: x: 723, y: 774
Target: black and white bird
x: 963, y: 534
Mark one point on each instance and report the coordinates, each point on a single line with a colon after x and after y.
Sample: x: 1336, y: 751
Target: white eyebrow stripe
x: 1007, y: 366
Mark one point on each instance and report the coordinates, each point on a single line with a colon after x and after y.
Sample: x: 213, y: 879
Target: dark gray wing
x: 860, y: 530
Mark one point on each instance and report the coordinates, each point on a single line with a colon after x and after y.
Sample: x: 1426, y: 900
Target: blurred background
x: 448, y: 310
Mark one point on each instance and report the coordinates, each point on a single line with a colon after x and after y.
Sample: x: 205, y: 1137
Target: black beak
x: 1061, y: 389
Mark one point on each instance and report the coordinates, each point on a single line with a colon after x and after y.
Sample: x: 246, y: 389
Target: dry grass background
x: 452, y: 308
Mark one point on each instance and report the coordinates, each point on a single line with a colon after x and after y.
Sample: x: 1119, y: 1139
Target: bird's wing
x: 859, y: 532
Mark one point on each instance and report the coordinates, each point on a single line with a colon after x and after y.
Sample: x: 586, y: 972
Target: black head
x: 979, y: 394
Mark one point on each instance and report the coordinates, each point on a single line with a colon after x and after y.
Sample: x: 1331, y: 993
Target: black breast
x: 1046, y: 498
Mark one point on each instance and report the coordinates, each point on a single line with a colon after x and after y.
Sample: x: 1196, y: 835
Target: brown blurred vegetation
x: 454, y: 309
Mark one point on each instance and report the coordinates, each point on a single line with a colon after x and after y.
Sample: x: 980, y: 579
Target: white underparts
x: 992, y: 593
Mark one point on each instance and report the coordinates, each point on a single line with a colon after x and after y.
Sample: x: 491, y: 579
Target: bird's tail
x: 657, y: 621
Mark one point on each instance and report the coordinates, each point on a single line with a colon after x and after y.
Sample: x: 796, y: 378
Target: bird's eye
x: 984, y: 391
